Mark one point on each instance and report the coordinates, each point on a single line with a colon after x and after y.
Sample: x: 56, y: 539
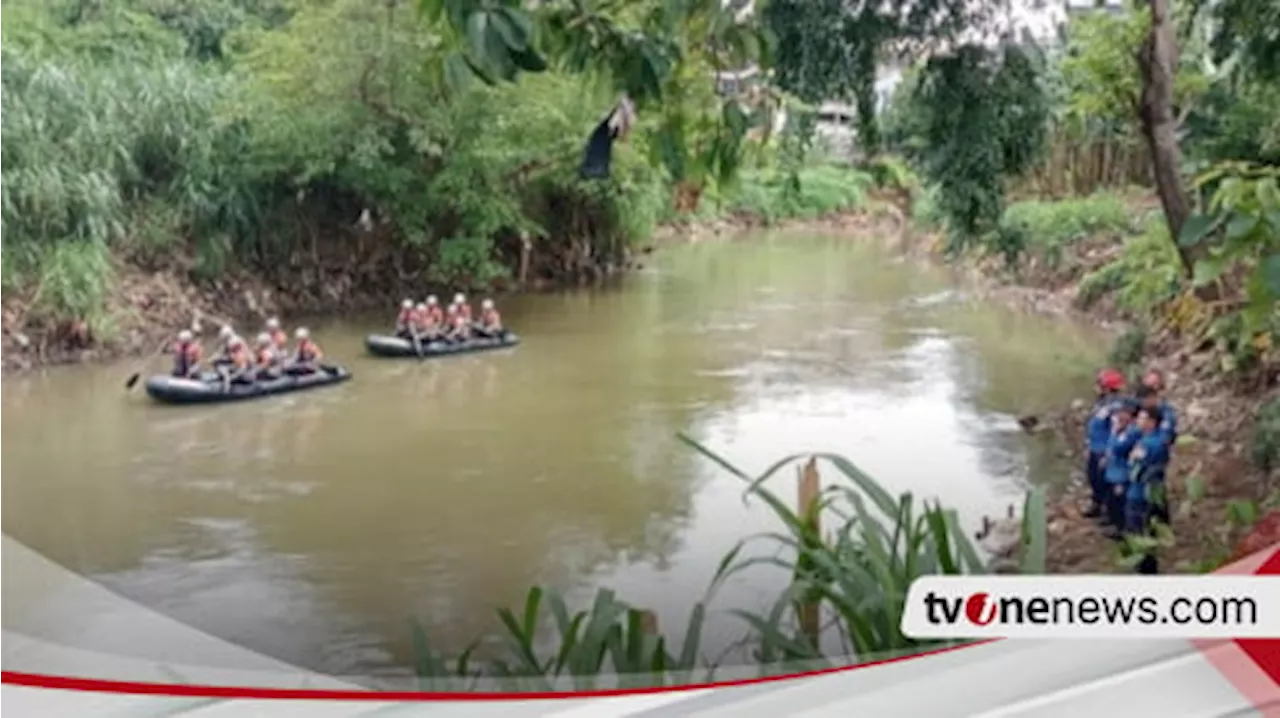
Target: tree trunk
x: 1158, y: 61
x: 868, y: 126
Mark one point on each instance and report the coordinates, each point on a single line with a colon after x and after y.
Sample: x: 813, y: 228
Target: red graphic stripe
x: 1251, y: 665
x: 69, y: 683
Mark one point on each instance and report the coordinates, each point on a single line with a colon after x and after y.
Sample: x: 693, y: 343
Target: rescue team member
x: 1149, y: 458
x: 1116, y: 467
x: 307, y: 355
x: 1166, y: 431
x: 460, y: 328
x: 426, y: 323
x: 404, y: 320
x: 434, y: 312
x: 186, y: 355
x: 461, y: 307
x: 266, y: 360
x: 1154, y: 381
x: 238, y: 369
x: 226, y: 338
x: 1097, y: 435
x: 279, y: 339
x: 490, y: 321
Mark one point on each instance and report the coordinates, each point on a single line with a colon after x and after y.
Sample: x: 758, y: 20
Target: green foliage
x: 1050, y: 228
x: 811, y: 193
x: 983, y: 116
x: 1265, y: 445
x: 1143, y: 277
x: 858, y: 574
x: 1241, y: 230
x: 1128, y: 348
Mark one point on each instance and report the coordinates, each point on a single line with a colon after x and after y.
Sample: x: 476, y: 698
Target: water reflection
x: 310, y: 527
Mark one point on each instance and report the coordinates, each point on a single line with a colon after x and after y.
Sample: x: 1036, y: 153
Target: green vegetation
x: 855, y: 576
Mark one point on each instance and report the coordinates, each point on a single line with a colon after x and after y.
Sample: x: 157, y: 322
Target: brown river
x: 311, y: 527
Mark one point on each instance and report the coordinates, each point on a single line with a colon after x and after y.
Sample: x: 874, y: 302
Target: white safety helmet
x: 185, y: 335
x: 432, y: 301
x: 273, y: 323
x: 302, y: 333
x: 407, y: 304
x: 422, y: 307
x: 459, y: 298
x: 264, y: 339
x: 487, y: 304
x: 226, y: 332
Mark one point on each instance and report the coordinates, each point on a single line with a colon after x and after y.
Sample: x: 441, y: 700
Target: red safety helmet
x: 1111, y: 380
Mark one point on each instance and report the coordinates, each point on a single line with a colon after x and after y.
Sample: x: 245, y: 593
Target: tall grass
x: 772, y: 195
x: 855, y: 576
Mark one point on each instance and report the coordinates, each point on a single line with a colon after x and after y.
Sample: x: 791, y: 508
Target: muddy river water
x: 310, y: 527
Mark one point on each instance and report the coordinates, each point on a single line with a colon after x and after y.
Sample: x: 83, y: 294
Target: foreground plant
x: 846, y: 588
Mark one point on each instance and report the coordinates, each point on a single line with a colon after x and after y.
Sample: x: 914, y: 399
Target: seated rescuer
x: 266, y: 359
x: 1150, y: 456
x: 1097, y: 435
x: 279, y: 340
x: 404, y: 320
x: 490, y: 320
x: 461, y: 306
x: 226, y: 337
x: 307, y: 355
x: 1116, y: 464
x: 239, y: 369
x: 460, y: 328
x: 425, y: 323
x: 186, y: 355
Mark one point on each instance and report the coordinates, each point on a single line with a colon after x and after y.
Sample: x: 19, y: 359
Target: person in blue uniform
x: 1151, y: 396
x: 1149, y: 457
x: 1116, y: 468
x: 1097, y: 435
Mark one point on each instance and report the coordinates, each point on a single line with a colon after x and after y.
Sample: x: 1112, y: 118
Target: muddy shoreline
x: 1216, y: 414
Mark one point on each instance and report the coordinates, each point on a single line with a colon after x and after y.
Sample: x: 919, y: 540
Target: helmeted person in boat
x: 307, y: 355
x: 226, y: 338
x: 187, y: 353
x: 434, y: 312
x: 490, y: 324
x: 404, y: 320
x: 426, y: 323
x: 279, y: 339
x: 266, y: 359
x: 461, y: 306
x: 239, y: 367
x: 460, y: 327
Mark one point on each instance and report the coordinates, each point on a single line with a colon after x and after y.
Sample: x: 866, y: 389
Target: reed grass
x: 856, y: 576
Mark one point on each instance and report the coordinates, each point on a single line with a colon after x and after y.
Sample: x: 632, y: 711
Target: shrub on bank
x: 773, y: 195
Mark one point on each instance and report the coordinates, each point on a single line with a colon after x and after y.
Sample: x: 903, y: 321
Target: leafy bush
x: 1143, y: 277
x: 857, y: 575
x: 809, y: 193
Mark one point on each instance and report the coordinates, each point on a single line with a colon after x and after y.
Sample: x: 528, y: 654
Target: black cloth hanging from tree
x: 599, y: 153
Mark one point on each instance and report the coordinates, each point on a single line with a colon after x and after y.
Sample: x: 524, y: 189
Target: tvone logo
x: 980, y: 609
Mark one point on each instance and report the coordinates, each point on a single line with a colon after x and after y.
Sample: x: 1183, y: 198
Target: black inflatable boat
x: 208, y: 389
x: 390, y: 346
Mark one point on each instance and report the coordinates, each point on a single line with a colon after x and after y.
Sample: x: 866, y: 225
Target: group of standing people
x: 1130, y: 439
x: 427, y: 321
x: 237, y: 363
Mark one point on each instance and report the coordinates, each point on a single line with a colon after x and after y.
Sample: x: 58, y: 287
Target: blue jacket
x: 1149, y: 458
x: 1097, y: 430
x: 1118, y: 449
x: 1168, y: 422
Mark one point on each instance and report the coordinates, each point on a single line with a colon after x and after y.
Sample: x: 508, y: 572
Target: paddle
x: 416, y: 340
x: 134, y: 377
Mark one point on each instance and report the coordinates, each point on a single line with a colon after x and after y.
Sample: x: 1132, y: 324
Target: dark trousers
x: 1137, y: 522
x: 1097, y: 482
x: 1160, y: 500
x: 1115, y: 505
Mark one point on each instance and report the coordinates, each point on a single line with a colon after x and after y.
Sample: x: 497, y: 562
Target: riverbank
x: 1218, y: 492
